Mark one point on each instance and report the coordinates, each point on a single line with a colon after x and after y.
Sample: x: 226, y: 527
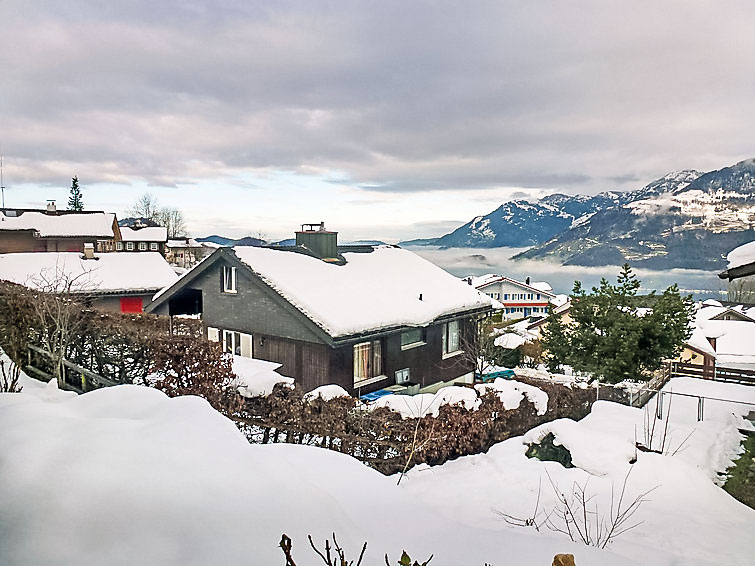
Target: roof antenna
x: 2, y: 186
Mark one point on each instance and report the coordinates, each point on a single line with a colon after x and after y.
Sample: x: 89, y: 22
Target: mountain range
x: 686, y: 219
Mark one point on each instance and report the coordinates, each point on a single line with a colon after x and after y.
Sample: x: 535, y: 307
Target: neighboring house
x: 722, y: 336
x: 519, y: 299
x: 563, y: 311
x: 186, y: 252
x: 122, y: 282
x: 146, y: 239
x: 361, y: 317
x: 741, y: 274
x: 52, y: 230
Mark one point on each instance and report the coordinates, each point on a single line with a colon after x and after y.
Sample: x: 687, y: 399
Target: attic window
x: 229, y: 279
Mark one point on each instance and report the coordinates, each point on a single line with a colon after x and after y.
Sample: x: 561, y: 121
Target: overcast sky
x: 384, y: 119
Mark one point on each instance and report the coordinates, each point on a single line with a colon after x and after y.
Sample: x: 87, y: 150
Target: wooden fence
x: 41, y: 364
x: 716, y: 373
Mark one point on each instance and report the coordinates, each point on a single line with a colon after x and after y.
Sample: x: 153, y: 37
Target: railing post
x: 659, y: 406
x: 700, y: 408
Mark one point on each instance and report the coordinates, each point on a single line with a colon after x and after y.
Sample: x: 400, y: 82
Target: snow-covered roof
x: 542, y: 286
x: 743, y: 255
x: 489, y: 279
x: 187, y: 243
x: 384, y: 288
x: 146, y: 234
x: 699, y: 342
x: 735, y: 340
x: 109, y: 272
x: 96, y: 224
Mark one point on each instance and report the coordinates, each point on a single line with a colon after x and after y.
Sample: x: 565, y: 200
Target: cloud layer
x: 390, y: 96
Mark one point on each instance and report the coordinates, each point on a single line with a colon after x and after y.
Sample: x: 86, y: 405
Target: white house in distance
x: 120, y: 282
x: 148, y: 238
x: 519, y: 299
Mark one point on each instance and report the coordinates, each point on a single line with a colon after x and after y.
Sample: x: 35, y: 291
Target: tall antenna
x: 2, y: 186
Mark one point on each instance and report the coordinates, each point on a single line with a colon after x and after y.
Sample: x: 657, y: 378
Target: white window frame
x: 129, y: 246
x: 229, y: 279
x: 451, y: 341
x: 374, y: 351
x: 142, y: 246
x: 119, y: 246
x: 153, y: 246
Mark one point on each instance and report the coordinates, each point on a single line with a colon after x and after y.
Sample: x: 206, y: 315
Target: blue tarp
x: 504, y: 373
x: 375, y: 395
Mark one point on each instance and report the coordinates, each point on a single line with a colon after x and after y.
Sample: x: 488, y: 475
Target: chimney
x: 88, y: 251
x: 323, y: 243
x: 527, y: 281
x: 51, y: 206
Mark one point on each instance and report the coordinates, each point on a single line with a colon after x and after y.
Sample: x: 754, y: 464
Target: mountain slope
x: 522, y: 223
x: 692, y: 225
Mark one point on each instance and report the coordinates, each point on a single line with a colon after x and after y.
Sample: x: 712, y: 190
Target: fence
x: 41, y: 364
x: 716, y: 373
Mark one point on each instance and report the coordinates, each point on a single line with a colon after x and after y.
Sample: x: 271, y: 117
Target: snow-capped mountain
x: 685, y: 219
x: 691, y: 225
x: 521, y: 223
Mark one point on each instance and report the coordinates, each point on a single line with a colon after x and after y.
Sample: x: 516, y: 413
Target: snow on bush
x: 326, y: 393
x: 512, y: 392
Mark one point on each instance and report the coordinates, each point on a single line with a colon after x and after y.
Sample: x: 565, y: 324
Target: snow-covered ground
x: 687, y: 520
x: 126, y: 475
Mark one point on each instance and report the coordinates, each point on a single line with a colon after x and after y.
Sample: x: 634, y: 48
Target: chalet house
x: 362, y: 317
x: 185, y: 252
x: 722, y: 336
x: 52, y: 230
x: 124, y: 282
x: 145, y: 239
x: 519, y: 299
x: 741, y: 274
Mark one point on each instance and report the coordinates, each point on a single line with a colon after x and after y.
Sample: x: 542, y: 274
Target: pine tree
x: 610, y: 338
x: 75, y: 201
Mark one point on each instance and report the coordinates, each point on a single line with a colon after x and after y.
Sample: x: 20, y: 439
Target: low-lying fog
x: 478, y: 261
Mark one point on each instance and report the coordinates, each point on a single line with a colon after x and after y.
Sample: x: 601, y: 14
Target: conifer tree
x: 610, y: 337
x: 75, y: 201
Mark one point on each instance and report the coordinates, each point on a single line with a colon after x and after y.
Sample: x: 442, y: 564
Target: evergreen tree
x: 611, y: 338
x: 75, y: 201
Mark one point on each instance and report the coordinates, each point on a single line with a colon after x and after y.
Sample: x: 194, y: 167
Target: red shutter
x: 131, y: 304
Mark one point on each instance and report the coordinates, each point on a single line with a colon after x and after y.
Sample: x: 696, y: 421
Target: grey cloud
x: 400, y: 97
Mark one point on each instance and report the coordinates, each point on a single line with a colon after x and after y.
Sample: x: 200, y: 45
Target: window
x: 529, y: 296
x: 142, y: 246
x: 130, y: 246
x: 119, y: 246
x: 368, y: 361
x: 153, y: 246
x: 451, y: 337
x: 505, y: 296
x: 229, y: 279
x: 412, y: 338
x: 232, y: 342
x: 538, y: 296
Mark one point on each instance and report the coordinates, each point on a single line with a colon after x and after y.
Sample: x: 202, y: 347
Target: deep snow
x: 126, y: 475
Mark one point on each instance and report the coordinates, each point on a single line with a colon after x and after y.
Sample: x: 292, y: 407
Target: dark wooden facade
x: 282, y: 334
